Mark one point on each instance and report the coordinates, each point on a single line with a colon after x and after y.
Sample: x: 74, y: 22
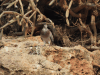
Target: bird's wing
x: 51, y: 37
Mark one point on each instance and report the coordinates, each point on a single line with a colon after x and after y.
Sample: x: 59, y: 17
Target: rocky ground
x: 18, y: 56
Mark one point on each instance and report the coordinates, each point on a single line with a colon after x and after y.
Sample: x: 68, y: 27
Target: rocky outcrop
x: 19, y: 57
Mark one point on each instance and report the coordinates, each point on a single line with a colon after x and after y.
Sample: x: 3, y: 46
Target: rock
x: 52, y: 60
x: 51, y: 65
x: 96, y: 61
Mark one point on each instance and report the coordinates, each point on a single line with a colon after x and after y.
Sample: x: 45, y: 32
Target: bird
x: 46, y: 35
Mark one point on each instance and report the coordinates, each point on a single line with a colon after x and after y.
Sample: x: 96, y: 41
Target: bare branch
x: 67, y: 12
x: 94, y: 28
x: 1, y: 34
x: 51, y: 2
x: 4, y: 2
x: 92, y: 48
x: 87, y: 29
x: 22, y: 10
x: 11, y: 4
x: 11, y: 21
x: 32, y: 14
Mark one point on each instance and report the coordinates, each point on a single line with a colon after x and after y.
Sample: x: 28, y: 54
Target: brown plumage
x: 46, y: 35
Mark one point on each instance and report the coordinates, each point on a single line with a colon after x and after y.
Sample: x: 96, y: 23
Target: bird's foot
x: 38, y: 50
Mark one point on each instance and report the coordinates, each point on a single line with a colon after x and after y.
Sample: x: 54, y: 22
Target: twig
x: 29, y: 6
x: 33, y: 27
x: 26, y: 29
x: 11, y: 4
x: 32, y: 14
x: 78, y: 8
x: 74, y: 14
x: 32, y: 5
x: 4, y: 2
x: 25, y: 16
x: 94, y: 28
x: 20, y: 33
x: 51, y: 2
x: 42, y: 16
x: 11, y: 21
x: 15, y: 5
x: 1, y: 34
x: 67, y: 12
x: 47, y: 19
x: 17, y: 18
x: 87, y: 29
x: 28, y: 12
x: 8, y: 12
x: 81, y: 30
x: 22, y: 10
x: 92, y: 48
x: 42, y: 23
x: 12, y: 12
x: 34, y: 17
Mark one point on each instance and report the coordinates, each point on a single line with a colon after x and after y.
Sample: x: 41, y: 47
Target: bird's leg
x: 49, y: 43
x: 38, y: 49
x: 44, y: 43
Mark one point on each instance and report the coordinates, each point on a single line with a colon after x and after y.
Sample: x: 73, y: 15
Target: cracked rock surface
x: 18, y: 56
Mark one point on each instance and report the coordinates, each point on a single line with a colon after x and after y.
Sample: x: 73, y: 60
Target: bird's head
x: 45, y: 26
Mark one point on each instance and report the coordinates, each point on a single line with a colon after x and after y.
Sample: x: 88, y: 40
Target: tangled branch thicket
x: 29, y: 15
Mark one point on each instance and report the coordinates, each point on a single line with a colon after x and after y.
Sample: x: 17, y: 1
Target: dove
x: 46, y: 35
